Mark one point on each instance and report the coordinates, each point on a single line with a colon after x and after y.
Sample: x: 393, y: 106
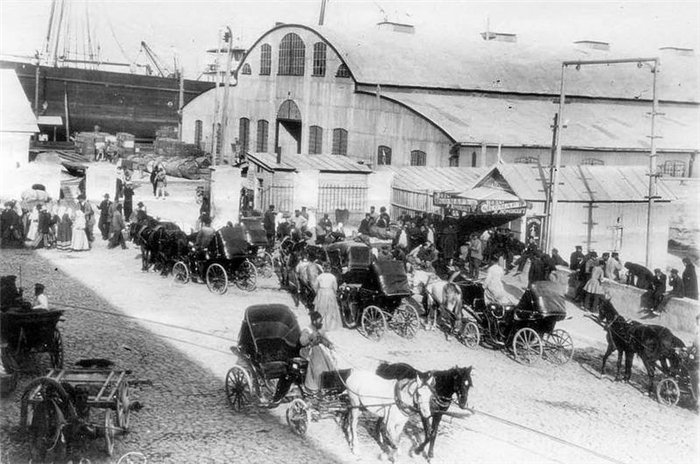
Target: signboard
x: 449, y: 199
x: 480, y: 207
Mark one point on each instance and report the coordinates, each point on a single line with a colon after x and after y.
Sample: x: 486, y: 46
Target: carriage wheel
x: 298, y: 416
x: 46, y: 429
x: 246, y: 276
x: 123, y: 403
x: 373, y: 323
x: 527, y: 346
x: 469, y: 335
x: 133, y: 457
x: 267, y: 265
x: 239, y: 388
x: 56, y: 350
x: 181, y: 275
x: 668, y: 392
x: 110, y: 428
x: 558, y: 347
x: 406, y: 320
x: 217, y: 280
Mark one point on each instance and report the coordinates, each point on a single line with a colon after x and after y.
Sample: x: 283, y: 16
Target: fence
x: 342, y: 197
x: 409, y: 201
x: 282, y: 196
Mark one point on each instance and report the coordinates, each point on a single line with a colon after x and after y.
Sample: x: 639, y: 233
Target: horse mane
x: 398, y: 371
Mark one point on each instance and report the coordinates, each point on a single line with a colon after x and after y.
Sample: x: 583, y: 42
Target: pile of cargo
x: 86, y: 142
x: 185, y: 167
x: 164, y: 146
x: 126, y: 143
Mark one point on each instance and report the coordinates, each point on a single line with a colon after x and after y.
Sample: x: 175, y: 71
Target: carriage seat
x: 274, y: 369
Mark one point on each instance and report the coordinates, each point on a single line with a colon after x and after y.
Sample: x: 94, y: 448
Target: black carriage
x: 59, y: 409
x: 683, y: 380
x: 270, y: 366
x: 527, y: 328
x: 27, y: 332
x: 256, y: 236
x: 227, y: 258
x: 373, y: 295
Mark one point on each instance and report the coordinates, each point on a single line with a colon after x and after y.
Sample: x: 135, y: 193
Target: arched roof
x: 396, y: 59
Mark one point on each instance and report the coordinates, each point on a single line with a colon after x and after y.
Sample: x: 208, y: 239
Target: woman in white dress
x: 326, y: 302
x: 33, y: 225
x: 494, y: 292
x: 79, y: 241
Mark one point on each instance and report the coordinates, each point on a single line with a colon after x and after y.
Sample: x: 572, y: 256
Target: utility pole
x: 181, y: 101
x: 228, y: 36
x: 215, y: 119
x: 551, y: 217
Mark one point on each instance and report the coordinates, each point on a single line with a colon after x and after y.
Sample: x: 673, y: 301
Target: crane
x: 162, y: 70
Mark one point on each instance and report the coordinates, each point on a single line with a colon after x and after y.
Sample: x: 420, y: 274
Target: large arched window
x: 198, y: 133
x: 319, y: 59
x: 265, y: 59
x: 261, y: 145
x: 340, y: 142
x: 315, y: 140
x: 383, y: 156
x: 244, y: 134
x: 418, y: 158
x: 291, y: 60
x: 343, y: 71
x: 245, y: 69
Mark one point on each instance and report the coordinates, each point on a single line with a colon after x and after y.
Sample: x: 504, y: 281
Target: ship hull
x: 116, y: 102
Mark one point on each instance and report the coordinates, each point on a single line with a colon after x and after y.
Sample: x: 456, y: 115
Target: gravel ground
x: 181, y: 342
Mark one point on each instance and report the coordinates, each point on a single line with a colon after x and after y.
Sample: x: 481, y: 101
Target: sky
x: 186, y: 28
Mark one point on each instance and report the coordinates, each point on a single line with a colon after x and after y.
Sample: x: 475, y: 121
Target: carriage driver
x: 317, y: 349
x: 204, y: 236
x: 41, y: 302
x: 494, y: 292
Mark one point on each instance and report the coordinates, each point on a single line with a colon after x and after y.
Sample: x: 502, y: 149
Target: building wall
x: 329, y: 102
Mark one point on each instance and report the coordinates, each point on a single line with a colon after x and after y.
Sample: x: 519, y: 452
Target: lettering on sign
x: 493, y: 206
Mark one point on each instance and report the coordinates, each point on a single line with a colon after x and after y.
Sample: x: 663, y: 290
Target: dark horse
x: 653, y: 343
x: 457, y: 380
x: 154, y: 239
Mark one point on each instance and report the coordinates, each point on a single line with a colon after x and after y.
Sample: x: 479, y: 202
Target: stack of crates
x: 126, y: 143
x: 85, y: 143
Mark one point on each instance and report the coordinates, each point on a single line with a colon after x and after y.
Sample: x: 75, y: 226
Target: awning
x: 49, y: 121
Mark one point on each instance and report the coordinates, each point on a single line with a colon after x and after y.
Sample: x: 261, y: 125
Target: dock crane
x: 157, y: 63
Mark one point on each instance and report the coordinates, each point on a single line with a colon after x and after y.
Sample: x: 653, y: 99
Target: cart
x: 29, y: 332
x: 59, y: 409
x: 527, y: 328
x: 683, y: 381
x: 227, y: 259
x: 374, y: 295
x: 270, y: 369
x: 257, y: 238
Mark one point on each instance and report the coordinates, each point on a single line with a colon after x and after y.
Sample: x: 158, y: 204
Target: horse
x: 149, y: 234
x: 439, y: 296
x: 653, y: 343
x: 391, y: 400
x: 450, y: 382
x: 307, y: 273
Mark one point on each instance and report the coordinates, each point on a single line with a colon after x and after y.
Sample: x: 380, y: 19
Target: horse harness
x: 408, y: 409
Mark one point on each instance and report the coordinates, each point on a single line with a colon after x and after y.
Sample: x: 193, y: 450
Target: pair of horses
x: 410, y: 391
x: 161, y: 243
x: 439, y: 296
x: 654, y: 344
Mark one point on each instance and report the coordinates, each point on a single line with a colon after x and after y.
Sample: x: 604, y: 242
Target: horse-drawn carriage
x: 24, y: 331
x: 373, y: 295
x: 57, y: 410
x: 257, y: 238
x: 528, y: 327
x: 270, y: 365
x: 683, y: 379
x: 227, y: 258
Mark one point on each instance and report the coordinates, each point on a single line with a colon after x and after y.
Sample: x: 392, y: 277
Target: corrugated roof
x: 577, y: 183
x: 420, y: 60
x: 16, y: 113
x: 421, y: 178
x: 473, y: 119
x: 323, y: 163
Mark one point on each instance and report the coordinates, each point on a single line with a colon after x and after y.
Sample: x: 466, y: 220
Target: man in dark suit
x: 269, y: 225
x: 576, y: 258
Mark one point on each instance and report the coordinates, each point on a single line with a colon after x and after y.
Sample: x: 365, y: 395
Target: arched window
x: 526, y: 160
x: 198, y: 132
x: 218, y: 138
x: 245, y: 69
x: 340, y: 142
x: 383, y: 156
x: 261, y: 145
x: 674, y: 168
x: 418, y: 158
x: 592, y: 162
x: 244, y: 134
x: 291, y: 60
x: 343, y: 71
x: 319, y: 59
x: 265, y: 59
x: 315, y: 140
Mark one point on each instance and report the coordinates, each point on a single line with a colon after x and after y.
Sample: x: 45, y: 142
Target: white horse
x: 391, y: 400
x: 441, y: 295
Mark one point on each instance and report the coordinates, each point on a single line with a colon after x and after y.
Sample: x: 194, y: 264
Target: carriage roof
x: 392, y: 278
x: 231, y: 242
x: 256, y: 234
x: 550, y: 301
x: 12, y: 321
x: 268, y: 322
